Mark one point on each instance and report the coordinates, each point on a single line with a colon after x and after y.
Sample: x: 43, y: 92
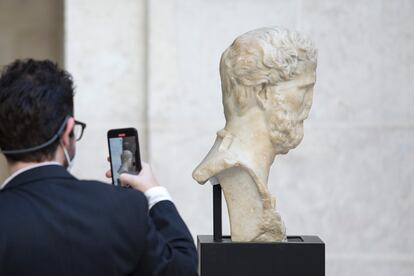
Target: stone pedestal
x: 300, y: 255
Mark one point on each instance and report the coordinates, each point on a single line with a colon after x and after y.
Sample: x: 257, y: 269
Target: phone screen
x: 124, y: 153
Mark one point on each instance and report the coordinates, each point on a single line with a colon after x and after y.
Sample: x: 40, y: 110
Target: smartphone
x: 124, y: 153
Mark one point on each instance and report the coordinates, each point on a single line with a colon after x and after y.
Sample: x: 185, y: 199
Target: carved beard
x: 286, y: 131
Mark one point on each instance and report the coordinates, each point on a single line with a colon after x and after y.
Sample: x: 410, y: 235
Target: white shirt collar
x: 16, y: 173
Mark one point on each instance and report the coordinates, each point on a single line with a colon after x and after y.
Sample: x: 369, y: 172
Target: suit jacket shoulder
x: 54, y: 224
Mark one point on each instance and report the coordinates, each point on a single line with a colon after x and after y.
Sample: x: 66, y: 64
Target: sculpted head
x: 271, y: 70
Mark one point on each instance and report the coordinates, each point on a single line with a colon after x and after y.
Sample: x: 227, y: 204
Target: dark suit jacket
x: 53, y: 224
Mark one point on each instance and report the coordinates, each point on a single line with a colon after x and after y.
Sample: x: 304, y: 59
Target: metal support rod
x: 217, y: 220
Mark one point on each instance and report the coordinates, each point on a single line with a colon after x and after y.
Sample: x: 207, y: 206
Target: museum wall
x: 351, y: 180
x: 30, y: 29
x: 105, y: 50
x: 154, y: 65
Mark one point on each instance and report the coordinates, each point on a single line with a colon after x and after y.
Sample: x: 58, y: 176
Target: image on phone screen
x: 123, y: 156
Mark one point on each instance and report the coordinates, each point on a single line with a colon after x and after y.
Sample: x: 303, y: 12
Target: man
x: 267, y: 79
x: 54, y: 224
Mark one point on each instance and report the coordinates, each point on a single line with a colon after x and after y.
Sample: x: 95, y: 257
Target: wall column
x: 105, y: 51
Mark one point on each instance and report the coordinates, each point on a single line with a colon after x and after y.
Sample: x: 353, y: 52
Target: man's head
x: 272, y: 69
x: 35, y: 99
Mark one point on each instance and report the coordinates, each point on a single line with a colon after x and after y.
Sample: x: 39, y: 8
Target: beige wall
x: 351, y: 179
x: 30, y: 28
x: 3, y: 168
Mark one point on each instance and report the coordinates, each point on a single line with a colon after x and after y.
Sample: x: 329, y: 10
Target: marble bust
x: 126, y: 162
x: 267, y: 79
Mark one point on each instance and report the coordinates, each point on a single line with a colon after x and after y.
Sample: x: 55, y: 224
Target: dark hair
x: 35, y: 98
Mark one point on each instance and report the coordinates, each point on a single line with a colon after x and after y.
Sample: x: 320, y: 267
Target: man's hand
x: 144, y: 181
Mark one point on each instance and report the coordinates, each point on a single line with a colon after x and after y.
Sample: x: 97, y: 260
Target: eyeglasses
x: 78, y: 130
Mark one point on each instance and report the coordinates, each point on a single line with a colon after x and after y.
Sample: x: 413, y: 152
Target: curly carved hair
x: 264, y: 57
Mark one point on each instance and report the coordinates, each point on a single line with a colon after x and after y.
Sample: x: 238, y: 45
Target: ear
x: 261, y: 97
x: 66, y: 135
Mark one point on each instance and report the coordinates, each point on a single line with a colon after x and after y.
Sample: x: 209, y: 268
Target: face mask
x: 68, y: 160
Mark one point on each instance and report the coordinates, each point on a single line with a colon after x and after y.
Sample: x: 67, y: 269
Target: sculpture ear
x: 261, y: 97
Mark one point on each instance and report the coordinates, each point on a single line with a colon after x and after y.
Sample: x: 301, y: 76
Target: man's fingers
x: 127, y: 179
x: 144, y: 181
x: 108, y: 174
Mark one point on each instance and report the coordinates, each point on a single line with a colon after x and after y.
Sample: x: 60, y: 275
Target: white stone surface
x: 351, y: 180
x: 105, y: 52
